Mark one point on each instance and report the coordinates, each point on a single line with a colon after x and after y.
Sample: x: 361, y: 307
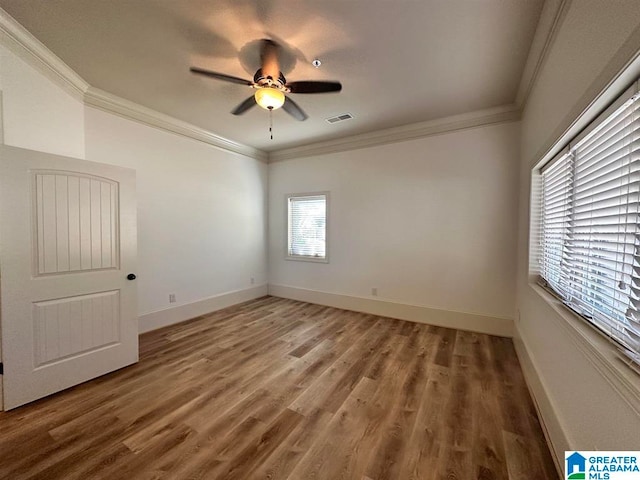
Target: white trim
x: 169, y: 316
x: 624, y: 97
x: 505, y: 113
x: 1, y: 357
x: 551, y: 18
x: 305, y: 258
x: 598, y: 350
x: 21, y: 42
x: 547, y: 413
x: 618, y: 74
x: 1, y: 119
x: 110, y: 103
x: 414, y: 313
x: 622, y: 70
x: 28, y: 48
x: 36, y: 54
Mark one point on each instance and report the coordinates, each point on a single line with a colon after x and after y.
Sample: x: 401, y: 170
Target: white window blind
x: 590, y: 227
x: 556, y: 202
x: 307, y: 226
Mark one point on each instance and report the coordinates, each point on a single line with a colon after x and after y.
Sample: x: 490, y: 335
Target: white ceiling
x: 399, y: 61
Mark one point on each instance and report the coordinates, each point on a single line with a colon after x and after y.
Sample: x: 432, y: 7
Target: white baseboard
x: 442, y: 318
x: 169, y: 316
x: 551, y: 424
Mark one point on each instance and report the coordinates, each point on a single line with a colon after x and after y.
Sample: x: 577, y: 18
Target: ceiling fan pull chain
x: 271, y: 123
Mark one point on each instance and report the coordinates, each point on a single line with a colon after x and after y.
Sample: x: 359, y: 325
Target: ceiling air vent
x: 340, y: 118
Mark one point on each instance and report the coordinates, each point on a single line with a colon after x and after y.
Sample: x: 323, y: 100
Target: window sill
x: 599, y: 350
x: 302, y: 258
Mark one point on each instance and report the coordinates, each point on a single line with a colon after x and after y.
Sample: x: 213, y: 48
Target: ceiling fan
x: 271, y: 86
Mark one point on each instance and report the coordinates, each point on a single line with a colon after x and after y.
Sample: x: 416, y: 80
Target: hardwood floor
x: 279, y: 389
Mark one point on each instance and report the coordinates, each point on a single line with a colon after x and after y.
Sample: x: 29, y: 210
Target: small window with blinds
x: 307, y: 227
x: 590, y: 226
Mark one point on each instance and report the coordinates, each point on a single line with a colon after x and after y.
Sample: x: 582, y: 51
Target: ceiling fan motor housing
x: 263, y: 81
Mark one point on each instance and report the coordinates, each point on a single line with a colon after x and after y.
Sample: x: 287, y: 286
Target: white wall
x: 428, y: 222
x: 37, y: 114
x: 201, y: 210
x: 580, y: 407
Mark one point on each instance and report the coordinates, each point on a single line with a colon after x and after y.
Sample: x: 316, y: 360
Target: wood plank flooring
x: 279, y: 389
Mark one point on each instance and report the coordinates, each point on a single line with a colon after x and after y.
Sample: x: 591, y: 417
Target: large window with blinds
x: 307, y: 227
x: 590, y: 225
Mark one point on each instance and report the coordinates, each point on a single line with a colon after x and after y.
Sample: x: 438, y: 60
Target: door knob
x: 131, y: 276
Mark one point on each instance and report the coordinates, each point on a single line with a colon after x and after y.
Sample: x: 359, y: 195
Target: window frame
x: 306, y: 258
x: 589, y: 337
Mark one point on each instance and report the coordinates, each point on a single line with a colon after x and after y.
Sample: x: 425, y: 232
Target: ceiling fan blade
x: 294, y: 110
x: 269, y: 59
x: 220, y: 76
x: 314, y: 87
x: 244, y: 106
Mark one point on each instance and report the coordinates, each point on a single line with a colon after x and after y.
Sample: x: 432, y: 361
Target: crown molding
x: 619, y: 74
x: 27, y: 47
x: 94, y: 97
x: 551, y: 18
x: 505, y: 113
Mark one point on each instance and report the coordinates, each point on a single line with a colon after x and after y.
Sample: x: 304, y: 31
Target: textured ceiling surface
x: 399, y: 61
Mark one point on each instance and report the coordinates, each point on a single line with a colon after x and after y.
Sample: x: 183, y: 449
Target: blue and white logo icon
x: 576, y: 466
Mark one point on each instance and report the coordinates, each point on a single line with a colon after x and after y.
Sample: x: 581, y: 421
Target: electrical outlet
x: 172, y: 298
x: 253, y: 280
x: 374, y: 291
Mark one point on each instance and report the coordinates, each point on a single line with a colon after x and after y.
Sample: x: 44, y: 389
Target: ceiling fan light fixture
x: 269, y: 98
x: 270, y: 85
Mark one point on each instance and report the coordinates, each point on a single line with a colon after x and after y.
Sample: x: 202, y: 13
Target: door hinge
x: 1, y: 368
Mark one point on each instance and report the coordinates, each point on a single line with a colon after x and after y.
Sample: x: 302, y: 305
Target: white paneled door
x: 67, y: 267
